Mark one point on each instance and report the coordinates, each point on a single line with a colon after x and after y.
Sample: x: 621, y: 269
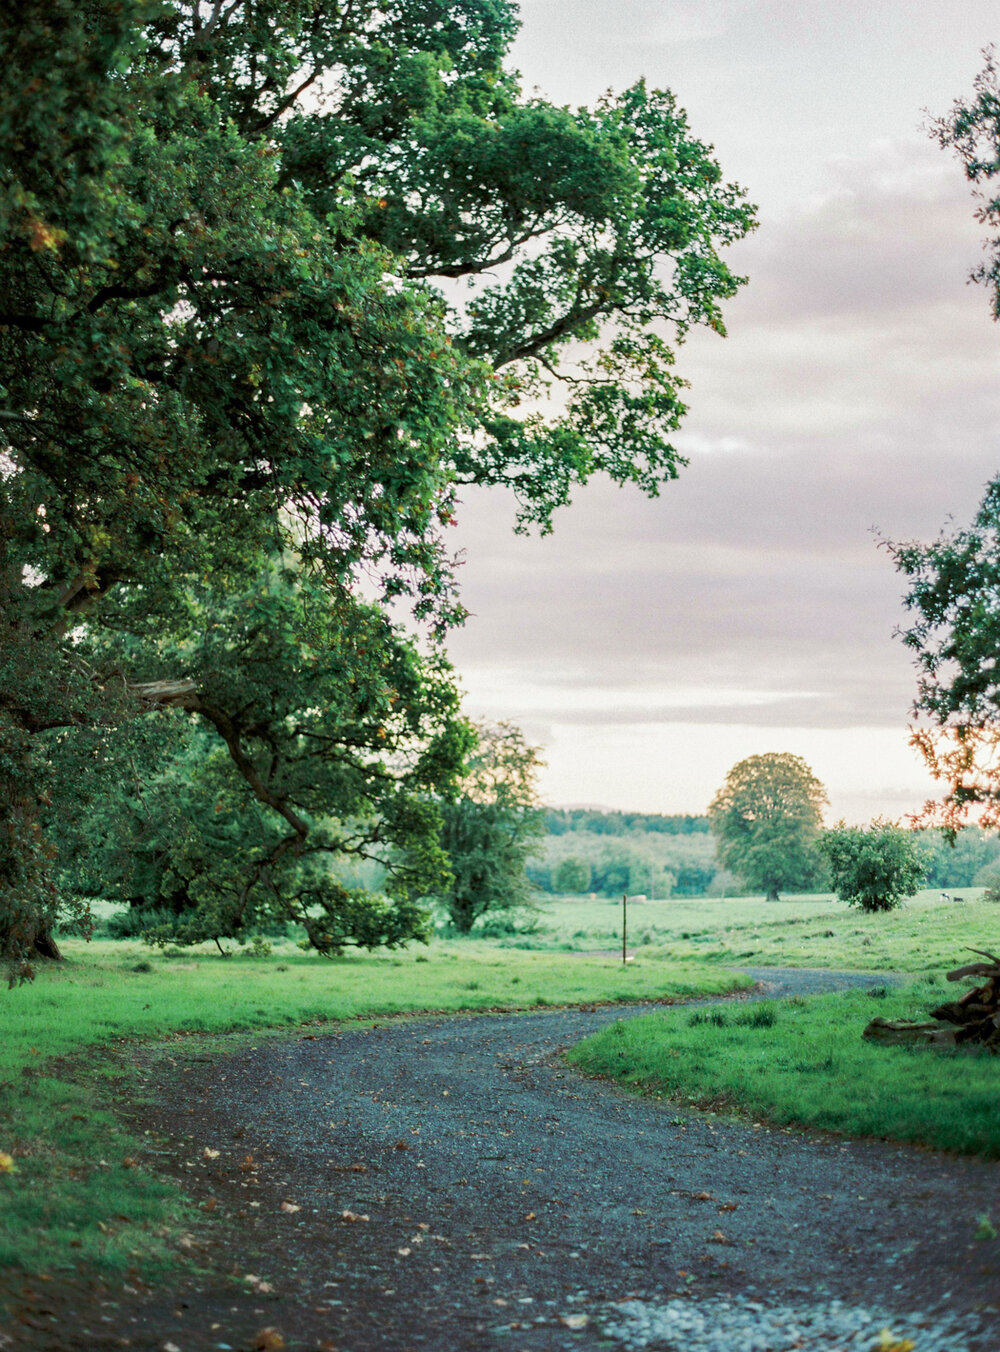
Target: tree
x: 954, y: 582
x: 225, y: 354
x: 874, y: 866
x: 767, y: 819
x: 972, y: 130
x: 228, y: 827
x: 571, y: 876
x: 492, y: 826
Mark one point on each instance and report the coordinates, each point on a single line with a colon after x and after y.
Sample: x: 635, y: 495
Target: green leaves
x: 874, y: 867
x: 767, y: 819
x: 490, y: 826
x: 234, y: 398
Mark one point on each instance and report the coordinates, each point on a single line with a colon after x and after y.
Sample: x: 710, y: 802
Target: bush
x: 875, y: 866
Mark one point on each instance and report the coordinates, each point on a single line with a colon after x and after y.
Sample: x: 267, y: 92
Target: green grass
x: 76, y: 1197
x: 803, y: 1063
x: 924, y: 935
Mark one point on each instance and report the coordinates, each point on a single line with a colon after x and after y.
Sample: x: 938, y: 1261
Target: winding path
x: 500, y: 1198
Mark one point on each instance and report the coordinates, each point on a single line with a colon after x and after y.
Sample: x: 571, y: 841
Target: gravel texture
x: 744, y: 1325
x: 448, y: 1184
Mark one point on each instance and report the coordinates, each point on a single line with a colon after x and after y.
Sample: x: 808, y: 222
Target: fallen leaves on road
x: 574, y: 1321
x: 268, y: 1340
x: 352, y: 1217
x: 290, y: 1208
x: 887, y: 1343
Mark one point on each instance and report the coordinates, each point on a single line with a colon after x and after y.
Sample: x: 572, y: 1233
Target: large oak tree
x: 767, y: 819
x: 237, y: 395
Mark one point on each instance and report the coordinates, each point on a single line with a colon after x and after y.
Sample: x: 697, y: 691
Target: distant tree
x: 572, y: 876
x: 558, y: 821
x: 962, y: 859
x: 492, y: 826
x: 767, y: 820
x: 875, y: 866
x: 693, y: 880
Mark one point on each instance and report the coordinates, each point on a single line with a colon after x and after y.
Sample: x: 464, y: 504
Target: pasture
x: 924, y: 935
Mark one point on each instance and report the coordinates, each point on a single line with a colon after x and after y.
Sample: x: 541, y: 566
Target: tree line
x: 559, y: 821
x: 601, y: 856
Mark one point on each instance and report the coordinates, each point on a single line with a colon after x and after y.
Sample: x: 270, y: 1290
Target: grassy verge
x: 924, y: 935
x: 798, y: 1062
x: 75, y: 1195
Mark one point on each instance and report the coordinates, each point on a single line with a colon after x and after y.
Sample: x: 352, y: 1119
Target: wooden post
x: 624, y: 925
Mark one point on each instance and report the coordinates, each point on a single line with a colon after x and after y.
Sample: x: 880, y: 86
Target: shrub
x: 875, y: 866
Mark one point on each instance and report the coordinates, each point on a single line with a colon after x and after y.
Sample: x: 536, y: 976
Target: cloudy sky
x: 648, y: 646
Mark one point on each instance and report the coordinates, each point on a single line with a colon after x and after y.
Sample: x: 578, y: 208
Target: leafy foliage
x: 559, y: 821
x: 969, y: 858
x: 972, y: 130
x: 767, y: 819
x: 233, y: 832
x: 954, y: 582
x: 492, y: 827
x: 572, y: 875
x: 655, y: 862
x: 874, y: 867
x: 225, y: 357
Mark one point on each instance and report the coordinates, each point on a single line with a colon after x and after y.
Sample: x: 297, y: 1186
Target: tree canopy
x: 767, y: 819
x: 954, y: 582
x: 238, y: 399
x: 875, y: 866
x: 492, y: 826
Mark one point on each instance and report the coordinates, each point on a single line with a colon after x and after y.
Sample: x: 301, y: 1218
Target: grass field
x: 803, y: 1063
x: 925, y: 935
x: 75, y: 1194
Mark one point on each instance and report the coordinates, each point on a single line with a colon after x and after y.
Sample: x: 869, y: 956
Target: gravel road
x: 448, y: 1184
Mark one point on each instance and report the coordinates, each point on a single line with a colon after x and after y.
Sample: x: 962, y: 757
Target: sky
x: 647, y: 646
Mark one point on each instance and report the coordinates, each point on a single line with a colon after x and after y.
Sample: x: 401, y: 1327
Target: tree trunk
x: 46, y: 947
x: 772, y: 894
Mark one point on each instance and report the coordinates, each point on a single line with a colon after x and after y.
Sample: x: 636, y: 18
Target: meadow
x: 925, y: 935
x: 803, y: 1063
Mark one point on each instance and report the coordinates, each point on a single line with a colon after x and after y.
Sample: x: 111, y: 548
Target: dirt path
x: 498, y: 1198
